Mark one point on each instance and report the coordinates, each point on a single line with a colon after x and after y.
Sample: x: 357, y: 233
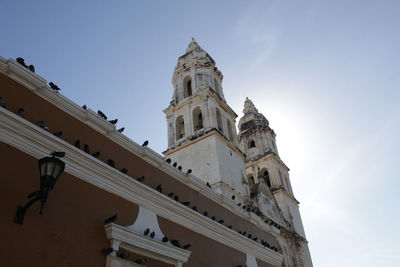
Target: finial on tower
x: 193, y: 46
x: 249, y: 106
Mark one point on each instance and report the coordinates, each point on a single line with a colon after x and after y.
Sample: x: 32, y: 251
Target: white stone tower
x: 268, y: 175
x: 201, y: 125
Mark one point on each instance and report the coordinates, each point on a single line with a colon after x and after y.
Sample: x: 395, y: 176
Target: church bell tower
x: 201, y: 125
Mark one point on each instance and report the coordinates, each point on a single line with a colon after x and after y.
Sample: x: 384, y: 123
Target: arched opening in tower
x: 219, y: 120
x: 180, y: 127
x: 187, y: 84
x: 197, y: 119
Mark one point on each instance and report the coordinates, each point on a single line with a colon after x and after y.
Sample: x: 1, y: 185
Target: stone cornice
x: 264, y: 157
x: 208, y: 91
x: 206, y: 133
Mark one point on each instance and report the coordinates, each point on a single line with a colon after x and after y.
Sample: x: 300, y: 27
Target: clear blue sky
x: 326, y: 74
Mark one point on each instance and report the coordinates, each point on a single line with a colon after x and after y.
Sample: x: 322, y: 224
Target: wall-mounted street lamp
x: 50, y: 169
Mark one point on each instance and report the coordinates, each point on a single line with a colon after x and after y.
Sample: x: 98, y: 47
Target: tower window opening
x: 219, y: 120
x: 180, y: 127
x: 251, y: 183
x: 187, y: 84
x: 266, y: 178
x: 252, y: 144
x: 197, y: 119
x: 230, y: 133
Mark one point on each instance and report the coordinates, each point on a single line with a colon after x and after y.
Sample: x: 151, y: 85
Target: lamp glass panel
x: 43, y: 169
x: 49, y: 168
x: 56, y: 171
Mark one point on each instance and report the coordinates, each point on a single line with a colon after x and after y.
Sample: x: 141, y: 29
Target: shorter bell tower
x: 264, y: 165
x: 201, y: 125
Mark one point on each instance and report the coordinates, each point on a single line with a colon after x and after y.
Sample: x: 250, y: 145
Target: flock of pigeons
x: 110, y: 162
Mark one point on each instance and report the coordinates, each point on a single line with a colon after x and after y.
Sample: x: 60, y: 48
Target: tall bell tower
x: 201, y: 125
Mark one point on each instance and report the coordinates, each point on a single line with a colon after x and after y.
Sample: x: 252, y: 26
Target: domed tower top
x: 194, y: 72
x: 252, y: 118
x: 255, y: 136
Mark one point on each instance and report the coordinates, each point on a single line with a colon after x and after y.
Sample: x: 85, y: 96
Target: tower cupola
x: 201, y: 125
x: 255, y: 136
x: 195, y: 71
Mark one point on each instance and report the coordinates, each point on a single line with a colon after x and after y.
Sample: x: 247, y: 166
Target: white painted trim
x: 147, y: 219
x: 145, y: 246
x: 38, y: 143
x: 251, y: 261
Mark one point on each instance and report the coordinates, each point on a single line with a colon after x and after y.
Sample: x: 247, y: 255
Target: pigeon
x: 125, y: 171
x: 107, y: 251
x: 180, y: 168
x: 189, y: 171
x: 42, y: 125
x: 84, y: 107
x: 96, y: 154
x: 101, y: 114
x: 141, y: 179
x: 21, y: 61
x: 146, y: 232
x: 58, y: 134
x: 2, y: 102
x: 233, y: 197
x: 205, y: 213
x: 170, y: 194
x: 176, y: 243
x: 145, y: 143
x: 54, y: 86
x: 187, y: 246
x: 176, y: 198
x: 111, y: 163
x: 21, y: 112
x: 194, y: 208
x: 186, y: 203
x: 77, y: 144
x: 158, y: 188
x: 213, y: 218
x: 58, y: 154
x: 152, y: 234
x: 111, y: 219
x: 221, y: 221
x: 31, y: 68
x: 239, y: 204
x: 168, y: 161
x: 230, y: 226
x: 255, y: 239
x: 120, y: 130
x: 86, y: 148
x: 113, y: 121
x: 208, y: 184
x: 141, y: 261
x: 174, y: 164
x: 123, y: 255
x: 249, y: 235
x: 164, y: 239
